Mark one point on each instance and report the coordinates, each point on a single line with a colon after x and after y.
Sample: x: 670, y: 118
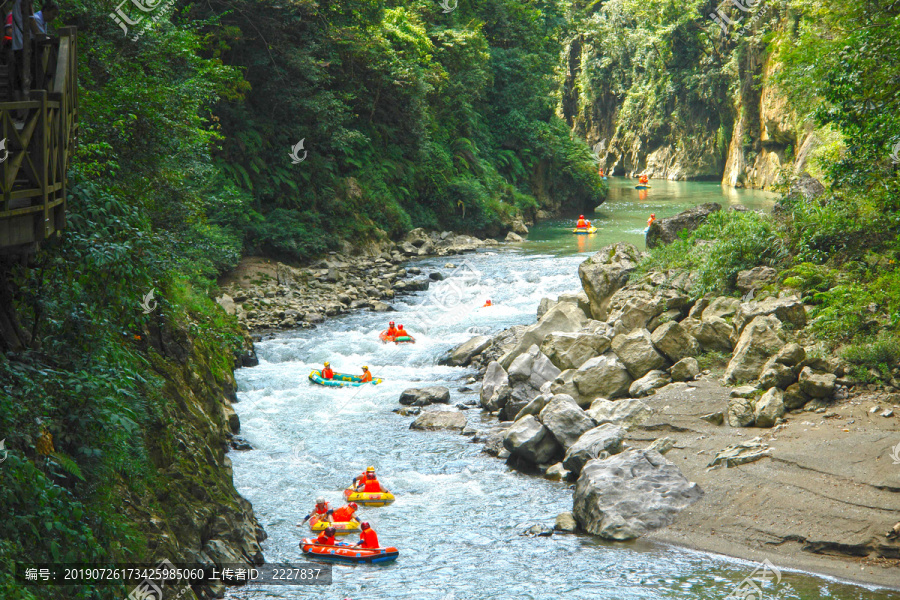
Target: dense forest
x: 410, y: 114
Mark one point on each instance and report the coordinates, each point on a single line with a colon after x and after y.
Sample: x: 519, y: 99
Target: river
x: 459, y: 513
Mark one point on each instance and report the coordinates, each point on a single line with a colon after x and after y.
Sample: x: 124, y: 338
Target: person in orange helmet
x: 488, y: 303
x: 643, y: 180
x: 391, y: 331
x: 366, y: 376
x: 651, y: 219
x: 344, y: 513
x: 367, y: 537
x: 582, y: 223
x: 327, y: 373
x: 402, y: 332
x: 326, y: 537
x: 368, y: 482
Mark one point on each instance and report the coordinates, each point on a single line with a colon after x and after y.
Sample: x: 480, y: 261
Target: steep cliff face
x: 191, y: 512
x: 676, y: 99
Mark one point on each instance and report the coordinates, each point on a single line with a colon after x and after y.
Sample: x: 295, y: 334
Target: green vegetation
x: 838, y: 249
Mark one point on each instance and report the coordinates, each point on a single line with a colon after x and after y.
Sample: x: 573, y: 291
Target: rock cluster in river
x: 568, y: 387
x: 271, y: 295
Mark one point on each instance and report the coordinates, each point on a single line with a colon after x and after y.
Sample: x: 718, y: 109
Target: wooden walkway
x: 38, y: 137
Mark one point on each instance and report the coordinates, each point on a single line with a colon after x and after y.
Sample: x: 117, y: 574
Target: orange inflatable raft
x: 348, y: 554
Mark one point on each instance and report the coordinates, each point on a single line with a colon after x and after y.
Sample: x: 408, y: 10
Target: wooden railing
x: 38, y: 136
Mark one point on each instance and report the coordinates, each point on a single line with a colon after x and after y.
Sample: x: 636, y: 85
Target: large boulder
x: 787, y: 310
x: 637, y: 353
x: 604, y: 376
x: 495, y: 390
x: 713, y: 333
x: 463, y: 354
x: 571, y: 350
x: 665, y: 231
x: 791, y: 355
x: 648, y: 384
x: 769, y: 408
x: 565, y: 317
x: 674, y: 341
x: 601, y: 441
x: 741, y: 412
x: 631, y: 308
x: 626, y: 413
x: 529, y: 439
x: 425, y: 396
x: 723, y: 307
x: 565, y: 419
x: 760, y: 339
x: 605, y: 272
x: 534, y: 407
x: 532, y: 368
x: 817, y: 385
x: 434, y: 420
x: 755, y: 278
x: 775, y: 374
x: 629, y: 494
x: 685, y: 369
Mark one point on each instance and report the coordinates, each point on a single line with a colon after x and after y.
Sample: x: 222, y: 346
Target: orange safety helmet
x: 580, y: 216
x: 652, y: 214
x: 354, y: 505
x: 391, y: 323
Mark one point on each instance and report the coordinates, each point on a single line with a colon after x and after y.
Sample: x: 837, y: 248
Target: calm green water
x: 624, y: 215
x: 459, y: 514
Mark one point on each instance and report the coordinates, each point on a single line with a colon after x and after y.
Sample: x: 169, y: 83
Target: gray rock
x: 565, y: 522
x: 603, y: 440
x: 627, y: 413
x: 513, y: 237
x: 817, y: 385
x: 533, y: 368
x: 756, y: 278
x: 759, y: 340
x: 775, y: 374
x: 648, y: 384
x: 786, y: 310
x: 495, y: 390
x: 634, y: 308
x: 425, y: 396
x: 637, y: 353
x: 571, y: 350
x: 791, y: 355
x: 562, y: 318
x: 434, y: 420
x: 661, y: 445
x: 714, y: 333
x: 408, y: 411
x: 722, y: 307
x: 769, y: 408
x: 538, y: 530
x: 630, y: 494
x: 605, y: 272
x: 463, y: 354
x: 741, y: 412
x: 715, y: 418
x: 744, y: 391
x: 530, y: 440
x: 794, y: 397
x: 556, y: 472
x: 565, y: 420
x: 604, y: 376
x: 534, y: 407
x: 685, y: 369
x: 227, y: 304
x: 741, y: 453
x: 665, y: 231
x: 674, y: 341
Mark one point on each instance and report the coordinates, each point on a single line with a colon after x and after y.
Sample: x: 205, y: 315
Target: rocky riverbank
x: 266, y: 295
x: 715, y: 422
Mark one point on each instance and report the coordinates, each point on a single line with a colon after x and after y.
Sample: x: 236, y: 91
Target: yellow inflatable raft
x: 368, y: 498
x: 340, y: 528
